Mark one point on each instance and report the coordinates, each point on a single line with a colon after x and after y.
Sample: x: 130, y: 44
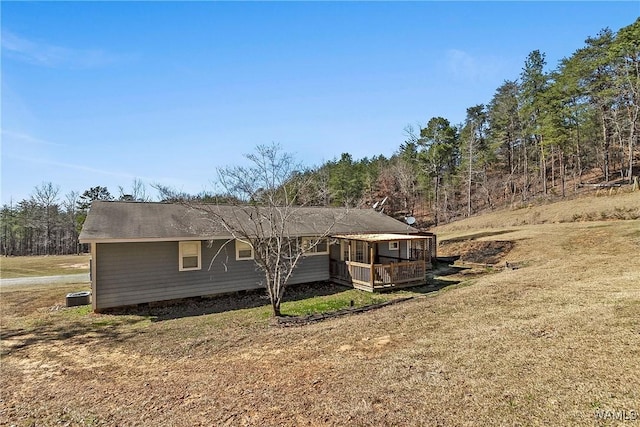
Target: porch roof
x: 386, y: 237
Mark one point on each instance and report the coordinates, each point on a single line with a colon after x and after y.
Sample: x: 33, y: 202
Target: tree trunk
x: 525, y: 186
x: 578, y: 153
x: 553, y: 167
x: 469, y: 183
x: 633, y: 120
x: 512, y: 186
x: 276, y: 308
x: 606, y: 143
x: 562, y: 172
x: 543, y: 167
x: 630, y: 161
x: 437, y: 197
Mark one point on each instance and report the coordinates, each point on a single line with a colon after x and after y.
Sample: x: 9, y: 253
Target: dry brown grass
x: 547, y: 344
x: 49, y: 265
x: 615, y: 204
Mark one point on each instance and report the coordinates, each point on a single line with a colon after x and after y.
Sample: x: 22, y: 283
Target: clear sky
x: 103, y: 93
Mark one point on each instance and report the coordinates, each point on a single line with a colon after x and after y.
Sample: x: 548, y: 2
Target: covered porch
x: 374, y: 262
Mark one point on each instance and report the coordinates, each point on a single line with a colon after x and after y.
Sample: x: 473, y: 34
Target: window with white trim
x: 244, y: 250
x: 189, y: 255
x: 360, y: 254
x: 394, y: 245
x: 344, y: 250
x: 315, y: 246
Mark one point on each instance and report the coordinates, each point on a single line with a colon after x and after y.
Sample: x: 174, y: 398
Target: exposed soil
x: 480, y: 252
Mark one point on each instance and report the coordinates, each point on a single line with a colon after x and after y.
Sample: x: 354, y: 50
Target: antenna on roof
x: 409, y: 220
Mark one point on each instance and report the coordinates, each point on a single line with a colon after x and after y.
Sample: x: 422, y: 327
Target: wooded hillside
x: 544, y: 134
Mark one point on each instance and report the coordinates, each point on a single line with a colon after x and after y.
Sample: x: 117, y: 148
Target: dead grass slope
x: 547, y: 344
x: 604, y: 205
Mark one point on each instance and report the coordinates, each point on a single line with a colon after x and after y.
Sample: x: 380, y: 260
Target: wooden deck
x: 374, y: 277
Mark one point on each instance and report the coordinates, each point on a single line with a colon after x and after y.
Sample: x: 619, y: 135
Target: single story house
x: 145, y: 252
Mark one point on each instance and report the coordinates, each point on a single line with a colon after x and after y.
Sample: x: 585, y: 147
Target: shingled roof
x: 138, y: 221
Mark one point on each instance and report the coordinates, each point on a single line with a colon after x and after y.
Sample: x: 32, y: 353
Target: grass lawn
x: 550, y: 343
x: 50, y: 265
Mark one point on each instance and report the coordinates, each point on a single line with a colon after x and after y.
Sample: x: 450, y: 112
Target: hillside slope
x: 599, y: 206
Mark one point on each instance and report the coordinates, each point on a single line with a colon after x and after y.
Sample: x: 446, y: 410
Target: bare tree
x: 138, y: 192
x: 71, y: 207
x: 46, y: 197
x: 262, y: 208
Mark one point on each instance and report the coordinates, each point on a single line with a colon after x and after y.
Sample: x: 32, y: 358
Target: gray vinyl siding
x: 313, y: 268
x: 387, y: 255
x: 134, y: 273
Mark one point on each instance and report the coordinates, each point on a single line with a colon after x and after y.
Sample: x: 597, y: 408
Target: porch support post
x: 392, y: 273
x: 372, y: 275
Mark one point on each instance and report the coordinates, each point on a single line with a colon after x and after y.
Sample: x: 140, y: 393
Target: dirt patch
x: 74, y: 266
x: 483, y: 252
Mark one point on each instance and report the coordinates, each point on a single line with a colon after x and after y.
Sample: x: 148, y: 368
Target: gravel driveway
x: 44, y: 280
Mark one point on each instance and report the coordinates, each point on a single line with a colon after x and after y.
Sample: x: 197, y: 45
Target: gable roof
x: 142, y: 221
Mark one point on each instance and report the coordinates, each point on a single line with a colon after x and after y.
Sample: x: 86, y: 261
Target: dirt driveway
x: 43, y: 280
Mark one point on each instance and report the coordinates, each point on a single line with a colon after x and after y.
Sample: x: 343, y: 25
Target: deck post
x: 372, y: 275
x: 392, y: 275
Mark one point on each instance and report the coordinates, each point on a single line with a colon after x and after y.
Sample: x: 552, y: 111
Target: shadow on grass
x: 118, y: 325
x: 398, y: 295
x: 85, y: 331
x: 435, y: 280
x: 198, y: 306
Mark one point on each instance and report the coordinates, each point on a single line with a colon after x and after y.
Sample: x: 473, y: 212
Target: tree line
x: 538, y: 135
x: 48, y: 223
x: 539, y: 132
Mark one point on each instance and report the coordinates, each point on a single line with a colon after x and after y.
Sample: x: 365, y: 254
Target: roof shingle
x: 142, y: 221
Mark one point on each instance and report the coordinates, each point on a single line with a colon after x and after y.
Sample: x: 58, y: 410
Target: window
x: 244, y: 250
x: 190, y: 255
x: 394, y: 246
x: 358, y: 249
x: 315, y: 246
x: 360, y: 252
x: 344, y: 250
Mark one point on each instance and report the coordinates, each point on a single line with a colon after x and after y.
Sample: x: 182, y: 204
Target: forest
x: 544, y: 134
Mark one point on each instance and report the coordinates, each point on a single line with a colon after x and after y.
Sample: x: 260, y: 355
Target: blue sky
x: 104, y: 93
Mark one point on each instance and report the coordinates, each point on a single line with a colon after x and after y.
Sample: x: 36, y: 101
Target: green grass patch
x: 331, y: 303
x: 74, y: 312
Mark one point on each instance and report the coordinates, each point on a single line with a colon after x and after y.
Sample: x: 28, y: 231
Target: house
x: 147, y: 252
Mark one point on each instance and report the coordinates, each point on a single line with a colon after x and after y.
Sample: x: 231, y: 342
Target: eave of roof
x: 373, y: 238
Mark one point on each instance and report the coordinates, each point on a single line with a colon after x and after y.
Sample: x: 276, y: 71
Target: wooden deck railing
x: 378, y: 276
